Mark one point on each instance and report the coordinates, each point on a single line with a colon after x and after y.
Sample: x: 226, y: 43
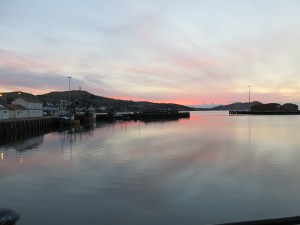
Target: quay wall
x: 138, y: 116
x: 17, y: 129
x: 235, y: 112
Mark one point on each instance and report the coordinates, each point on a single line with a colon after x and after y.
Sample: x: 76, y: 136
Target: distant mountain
x: 236, y: 106
x: 86, y: 98
x: 204, y: 106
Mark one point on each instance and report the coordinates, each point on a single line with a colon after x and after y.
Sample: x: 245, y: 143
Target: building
x: 4, y: 113
x: 16, y: 111
x: 265, y: 107
x: 32, y: 104
x: 50, y: 110
x: 289, y: 107
x: 275, y: 107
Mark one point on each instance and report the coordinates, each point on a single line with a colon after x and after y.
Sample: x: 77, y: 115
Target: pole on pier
x: 69, y: 87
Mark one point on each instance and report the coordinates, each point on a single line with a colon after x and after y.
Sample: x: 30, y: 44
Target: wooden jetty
x: 152, y: 115
x: 249, y: 112
x: 159, y: 115
x: 17, y: 129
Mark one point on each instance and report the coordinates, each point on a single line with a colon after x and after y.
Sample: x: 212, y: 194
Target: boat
x: 121, y: 116
x: 88, y: 117
x: 8, y: 216
x: 68, y: 120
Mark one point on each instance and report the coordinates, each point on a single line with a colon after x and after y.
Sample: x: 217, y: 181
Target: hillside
x: 86, y: 98
x: 236, y: 106
x: 76, y: 96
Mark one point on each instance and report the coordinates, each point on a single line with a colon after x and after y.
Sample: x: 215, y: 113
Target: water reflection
x: 26, y: 144
x: 211, y: 168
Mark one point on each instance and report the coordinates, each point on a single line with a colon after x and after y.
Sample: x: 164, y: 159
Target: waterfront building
x: 289, y: 107
x: 4, y: 114
x: 33, y: 105
x: 16, y: 111
x: 51, y: 110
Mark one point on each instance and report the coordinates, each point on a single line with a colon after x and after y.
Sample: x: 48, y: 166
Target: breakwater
x: 235, y: 112
x: 18, y: 129
x: 159, y: 115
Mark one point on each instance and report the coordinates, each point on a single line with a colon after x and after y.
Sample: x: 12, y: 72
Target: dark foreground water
x: 211, y: 168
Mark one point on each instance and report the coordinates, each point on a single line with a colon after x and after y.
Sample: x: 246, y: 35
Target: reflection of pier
x: 28, y: 143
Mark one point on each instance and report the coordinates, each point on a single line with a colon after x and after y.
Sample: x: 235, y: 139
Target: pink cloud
x: 14, y: 60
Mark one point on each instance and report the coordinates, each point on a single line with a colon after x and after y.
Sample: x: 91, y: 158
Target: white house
x: 4, y: 113
x: 32, y: 104
x: 16, y: 111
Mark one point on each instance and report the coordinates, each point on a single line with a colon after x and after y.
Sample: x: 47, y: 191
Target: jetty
x: 16, y: 129
x: 250, y: 112
x: 269, y: 109
x: 144, y: 115
x: 159, y: 115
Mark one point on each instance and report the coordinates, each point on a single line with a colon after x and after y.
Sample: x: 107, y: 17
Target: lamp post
x: 69, y: 87
x: 249, y: 92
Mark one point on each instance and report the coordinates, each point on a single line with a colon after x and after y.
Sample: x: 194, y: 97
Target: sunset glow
x: 185, y: 52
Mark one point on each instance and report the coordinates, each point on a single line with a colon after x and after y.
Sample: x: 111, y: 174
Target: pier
x: 17, y: 129
x: 152, y: 115
x: 244, y: 112
x: 159, y: 115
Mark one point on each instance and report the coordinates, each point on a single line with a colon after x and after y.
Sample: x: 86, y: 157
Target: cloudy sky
x: 187, y: 52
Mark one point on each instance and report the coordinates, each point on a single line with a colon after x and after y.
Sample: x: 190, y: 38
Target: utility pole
x: 249, y: 92
x: 69, y: 87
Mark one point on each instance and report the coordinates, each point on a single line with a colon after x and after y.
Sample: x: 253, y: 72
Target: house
x: 50, y: 110
x: 289, y: 107
x: 32, y: 104
x: 265, y: 107
x: 16, y: 111
x: 4, y: 113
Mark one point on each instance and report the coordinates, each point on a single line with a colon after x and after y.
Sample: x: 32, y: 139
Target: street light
x: 249, y: 92
x: 69, y: 86
x: 2, y: 98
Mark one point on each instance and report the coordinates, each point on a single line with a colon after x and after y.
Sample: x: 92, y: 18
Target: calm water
x: 211, y: 168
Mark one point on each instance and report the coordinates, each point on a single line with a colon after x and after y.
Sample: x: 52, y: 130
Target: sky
x: 189, y: 52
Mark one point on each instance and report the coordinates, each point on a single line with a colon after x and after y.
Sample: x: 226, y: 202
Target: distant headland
x: 88, y: 99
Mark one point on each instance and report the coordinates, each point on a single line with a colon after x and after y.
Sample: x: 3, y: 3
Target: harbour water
x: 210, y: 168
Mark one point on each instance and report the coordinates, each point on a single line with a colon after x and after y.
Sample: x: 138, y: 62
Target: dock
x: 17, y: 129
x: 249, y: 112
x: 159, y: 115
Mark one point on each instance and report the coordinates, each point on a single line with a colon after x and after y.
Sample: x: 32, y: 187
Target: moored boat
x: 121, y: 115
x: 88, y: 117
x: 68, y: 120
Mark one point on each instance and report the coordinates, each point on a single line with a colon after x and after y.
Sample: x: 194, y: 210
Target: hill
x: 236, y: 106
x: 86, y: 98
x: 76, y: 96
